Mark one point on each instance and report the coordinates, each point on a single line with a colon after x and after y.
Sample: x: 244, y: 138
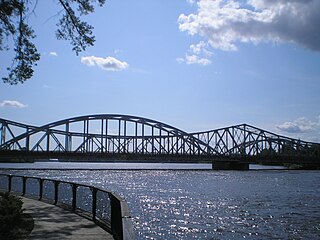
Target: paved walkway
x: 54, y: 223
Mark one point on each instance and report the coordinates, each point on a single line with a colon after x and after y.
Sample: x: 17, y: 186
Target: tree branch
x: 71, y: 15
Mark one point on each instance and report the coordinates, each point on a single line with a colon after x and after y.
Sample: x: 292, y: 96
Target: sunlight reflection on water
x: 212, y: 204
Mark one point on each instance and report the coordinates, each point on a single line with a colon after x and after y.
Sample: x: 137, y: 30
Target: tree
x: 13, y: 23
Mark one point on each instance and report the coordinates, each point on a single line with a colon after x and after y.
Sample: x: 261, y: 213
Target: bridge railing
x: 106, y: 209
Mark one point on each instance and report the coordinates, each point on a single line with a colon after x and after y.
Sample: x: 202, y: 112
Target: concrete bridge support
x: 229, y: 165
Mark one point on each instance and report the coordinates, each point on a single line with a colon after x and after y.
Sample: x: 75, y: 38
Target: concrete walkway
x: 54, y: 223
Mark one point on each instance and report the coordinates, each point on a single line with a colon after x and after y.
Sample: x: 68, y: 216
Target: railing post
x: 40, y: 189
x: 9, y: 183
x: 94, y: 203
x: 116, y: 218
x: 74, y: 196
x: 56, y: 192
x: 24, y: 183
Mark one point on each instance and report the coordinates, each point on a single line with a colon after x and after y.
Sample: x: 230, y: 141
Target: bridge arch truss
x: 107, y: 133
x: 246, y: 140
x: 125, y: 134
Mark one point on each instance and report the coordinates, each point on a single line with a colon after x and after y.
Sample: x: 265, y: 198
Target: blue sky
x: 196, y: 65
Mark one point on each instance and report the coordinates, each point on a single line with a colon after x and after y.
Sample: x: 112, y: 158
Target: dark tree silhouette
x: 13, y: 23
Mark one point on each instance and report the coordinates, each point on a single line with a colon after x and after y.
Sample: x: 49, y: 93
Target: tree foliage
x: 14, y: 23
x: 10, y: 212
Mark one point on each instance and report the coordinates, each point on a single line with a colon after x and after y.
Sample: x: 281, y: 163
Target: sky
x: 195, y: 65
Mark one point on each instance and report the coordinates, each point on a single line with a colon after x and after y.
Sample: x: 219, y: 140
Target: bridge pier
x: 229, y: 165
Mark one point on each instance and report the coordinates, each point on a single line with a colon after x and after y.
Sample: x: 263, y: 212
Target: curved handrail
x: 108, y: 209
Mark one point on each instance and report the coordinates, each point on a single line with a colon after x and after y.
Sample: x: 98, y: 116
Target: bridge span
x: 114, y: 137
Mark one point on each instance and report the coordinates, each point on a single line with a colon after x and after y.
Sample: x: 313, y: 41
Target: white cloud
x: 180, y: 60
x: 191, y: 59
x: 54, y: 54
x: 194, y: 59
x: 300, y: 125
x: 224, y: 23
x: 290, y: 127
x: 200, y: 48
x: 117, y: 51
x: 302, y: 128
x: 107, y: 64
x: 12, y: 103
x: 197, y: 54
x: 191, y: 1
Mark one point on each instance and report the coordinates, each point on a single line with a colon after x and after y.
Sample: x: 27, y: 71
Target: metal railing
x: 105, y: 208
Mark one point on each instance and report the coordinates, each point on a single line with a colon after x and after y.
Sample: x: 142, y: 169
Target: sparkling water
x: 206, y: 204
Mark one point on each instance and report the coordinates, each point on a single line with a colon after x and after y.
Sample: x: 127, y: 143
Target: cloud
x: 54, y: 54
x: 289, y: 127
x: 200, y: 48
x: 194, y: 59
x: 225, y: 23
x: 300, y: 125
x: 12, y: 103
x: 197, y: 54
x: 107, y: 64
x: 191, y: 1
x: 117, y: 51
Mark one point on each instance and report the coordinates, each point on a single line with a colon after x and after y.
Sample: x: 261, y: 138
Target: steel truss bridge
x: 124, y: 137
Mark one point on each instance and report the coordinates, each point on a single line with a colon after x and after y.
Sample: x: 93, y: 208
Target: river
x: 205, y: 204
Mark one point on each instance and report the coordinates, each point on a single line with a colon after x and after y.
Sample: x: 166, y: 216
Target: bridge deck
x: 29, y: 156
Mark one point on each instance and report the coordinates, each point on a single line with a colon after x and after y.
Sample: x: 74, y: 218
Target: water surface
x: 187, y: 204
